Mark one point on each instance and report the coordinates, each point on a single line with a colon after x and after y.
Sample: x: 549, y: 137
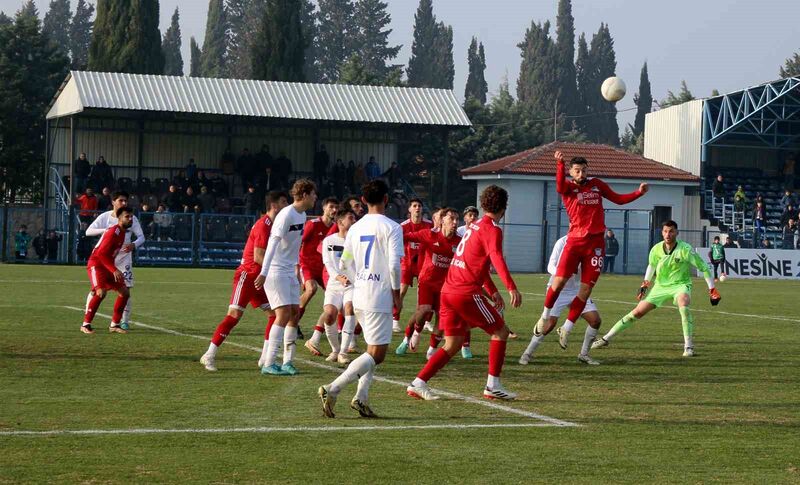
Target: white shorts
x: 337, y: 295
x: 282, y: 290
x: 377, y: 326
x: 126, y: 268
x: 565, y: 299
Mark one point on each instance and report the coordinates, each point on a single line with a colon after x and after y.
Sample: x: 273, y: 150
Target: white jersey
x: 573, y: 284
x: 287, y: 232
x: 124, y: 260
x: 332, y: 248
x: 372, y: 252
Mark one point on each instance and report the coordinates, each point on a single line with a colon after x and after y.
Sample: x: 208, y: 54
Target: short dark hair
x: 374, y: 192
x: 342, y: 213
x: 330, y: 200
x: 120, y: 193
x: 274, y: 196
x: 123, y: 210
x: 670, y: 223
x: 716, y: 238
x: 471, y: 209
x: 346, y: 202
x: 494, y: 199
x: 578, y: 161
x: 415, y: 199
x: 446, y: 210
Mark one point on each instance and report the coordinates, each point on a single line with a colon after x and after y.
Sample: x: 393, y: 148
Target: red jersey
x: 107, y: 248
x: 412, y: 258
x: 469, y: 269
x: 258, y: 238
x: 314, y: 232
x: 584, y: 202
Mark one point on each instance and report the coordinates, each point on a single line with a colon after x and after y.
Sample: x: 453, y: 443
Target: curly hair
x: 302, y: 187
x: 494, y: 199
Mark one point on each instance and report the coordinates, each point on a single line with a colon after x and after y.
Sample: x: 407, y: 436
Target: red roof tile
x: 604, y: 161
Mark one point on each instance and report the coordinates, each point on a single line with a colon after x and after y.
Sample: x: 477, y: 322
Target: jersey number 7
x: 370, y: 240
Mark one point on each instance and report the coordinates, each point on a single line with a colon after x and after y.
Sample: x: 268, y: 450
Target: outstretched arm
x: 561, y: 177
x: 620, y: 199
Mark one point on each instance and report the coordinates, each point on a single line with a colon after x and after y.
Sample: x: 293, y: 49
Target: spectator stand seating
x: 222, y: 238
x: 172, y: 244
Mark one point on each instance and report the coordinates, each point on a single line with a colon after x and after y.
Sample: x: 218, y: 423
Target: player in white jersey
x: 338, y: 293
x: 280, y: 276
x: 590, y: 313
x: 124, y: 259
x: 470, y: 214
x: 371, y: 260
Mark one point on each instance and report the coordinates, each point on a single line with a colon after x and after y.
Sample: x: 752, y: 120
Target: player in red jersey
x: 103, y: 272
x: 311, y: 265
x: 583, y: 200
x: 244, y: 290
x: 462, y: 303
x: 412, y: 262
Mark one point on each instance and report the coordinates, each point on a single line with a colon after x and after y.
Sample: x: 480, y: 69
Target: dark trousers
x: 608, y: 264
x: 716, y: 265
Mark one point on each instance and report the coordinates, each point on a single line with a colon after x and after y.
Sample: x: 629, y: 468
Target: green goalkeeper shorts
x: 662, y: 294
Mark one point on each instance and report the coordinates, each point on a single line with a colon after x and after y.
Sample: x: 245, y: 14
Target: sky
x: 712, y: 44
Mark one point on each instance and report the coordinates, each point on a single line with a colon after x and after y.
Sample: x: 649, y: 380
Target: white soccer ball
x: 613, y: 89
x: 722, y: 277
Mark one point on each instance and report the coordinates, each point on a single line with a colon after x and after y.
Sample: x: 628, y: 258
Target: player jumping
x: 411, y: 262
x: 462, y: 303
x: 583, y: 200
x: 671, y: 261
x: 371, y: 260
x: 104, y: 274
x: 244, y: 290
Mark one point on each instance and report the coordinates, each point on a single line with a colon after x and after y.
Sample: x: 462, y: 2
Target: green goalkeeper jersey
x: 675, y: 267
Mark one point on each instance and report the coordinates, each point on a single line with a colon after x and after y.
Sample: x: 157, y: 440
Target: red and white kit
x: 411, y: 264
x: 311, y: 265
x: 244, y: 289
x: 101, y: 265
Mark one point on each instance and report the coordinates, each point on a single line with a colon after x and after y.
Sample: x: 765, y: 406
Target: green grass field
x: 647, y: 415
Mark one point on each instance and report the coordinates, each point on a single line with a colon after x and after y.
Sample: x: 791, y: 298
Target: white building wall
x: 673, y: 136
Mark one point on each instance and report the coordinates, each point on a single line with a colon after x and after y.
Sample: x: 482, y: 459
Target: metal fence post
x: 704, y: 237
x: 72, y: 236
x: 626, y: 232
x: 5, y: 233
x: 545, y: 228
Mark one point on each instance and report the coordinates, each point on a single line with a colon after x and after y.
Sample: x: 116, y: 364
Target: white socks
x: 361, y: 366
x: 348, y: 329
x: 492, y: 382
x: 567, y: 327
x: 546, y: 314
x: 126, y: 313
x: 417, y: 382
x: 362, y: 393
x: 333, y: 336
x: 316, y: 337
x: 265, y: 350
x: 275, y: 341
x: 289, y: 345
x: 688, y: 342
x: 588, y: 338
x: 212, y: 350
x: 535, y: 341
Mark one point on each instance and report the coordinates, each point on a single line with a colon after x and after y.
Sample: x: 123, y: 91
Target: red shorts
x: 310, y: 273
x: 407, y: 274
x: 244, y: 291
x: 101, y: 279
x: 459, y: 313
x: 429, y: 295
x: 588, y: 252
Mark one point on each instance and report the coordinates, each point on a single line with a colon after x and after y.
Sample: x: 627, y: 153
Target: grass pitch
x: 145, y: 410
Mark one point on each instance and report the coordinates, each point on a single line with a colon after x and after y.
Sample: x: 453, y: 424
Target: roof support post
x: 140, y: 154
x: 72, y: 135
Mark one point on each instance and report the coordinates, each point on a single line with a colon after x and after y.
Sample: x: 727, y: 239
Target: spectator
x: 202, y: 179
x: 247, y: 167
x: 349, y: 175
x: 766, y: 244
x: 788, y: 199
x: 163, y: 223
x: 339, y: 178
x: 101, y: 175
x: 21, y: 241
x: 53, y: 239
x: 718, y: 188
x: 104, y: 200
x: 729, y: 243
x: 281, y: 170
x: 321, y: 162
x: 40, y: 245
x: 372, y: 170
x: 88, y: 205
x: 172, y: 201
x: 392, y: 175
x: 191, y: 172
x: 207, y: 200
x: 218, y: 186
x: 179, y: 180
x: 146, y: 220
x: 790, y: 235
x: 788, y: 173
x: 227, y: 163
x: 717, y: 257
x: 760, y: 198
x: 612, y: 250
x: 760, y: 217
x: 190, y: 202
x: 359, y: 178
x: 740, y: 201
x: 81, y: 170
x: 788, y: 214
x: 251, y: 201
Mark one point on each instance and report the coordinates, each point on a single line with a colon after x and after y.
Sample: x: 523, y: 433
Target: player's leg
x: 312, y: 344
x: 591, y: 266
x: 348, y: 332
x: 683, y: 300
x: 123, y: 295
x: 276, y: 335
x: 220, y: 334
x: 593, y: 320
x: 270, y: 314
x: 466, y: 348
x: 538, y: 336
x: 127, y: 272
x: 290, y: 340
x: 405, y: 283
x: 412, y: 333
x: 643, y: 308
x: 98, y: 295
x: 332, y: 331
x: 567, y: 266
x: 310, y: 287
x: 327, y: 319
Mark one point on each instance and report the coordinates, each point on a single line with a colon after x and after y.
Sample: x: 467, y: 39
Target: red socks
x: 551, y: 297
x: 497, y: 354
x: 435, y: 339
x: 436, y: 362
x: 119, y: 307
x: 358, y: 329
x: 223, y: 329
x: 395, y: 314
x: 270, y: 321
x: 410, y: 329
x: 576, y: 309
x: 94, y: 304
x: 467, y: 338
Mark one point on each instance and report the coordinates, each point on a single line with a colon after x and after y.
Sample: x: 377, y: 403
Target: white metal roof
x: 237, y: 97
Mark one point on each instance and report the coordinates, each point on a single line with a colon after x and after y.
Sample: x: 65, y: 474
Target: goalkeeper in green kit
x: 671, y: 262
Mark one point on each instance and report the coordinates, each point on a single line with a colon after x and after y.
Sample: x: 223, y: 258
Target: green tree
x: 584, y: 74
x: 308, y: 19
x: 28, y: 9
x: 537, y: 83
x: 337, y: 36
x: 194, y: 60
x: 714, y: 92
x: 565, y: 61
x: 5, y: 20
x: 215, y: 44
x: 673, y: 99
x: 126, y: 38
x: 80, y: 35
x: 244, y: 18
x: 476, y: 80
x: 56, y: 24
x: 355, y: 71
x: 420, y: 69
x: 643, y: 101
x: 444, y: 65
x: 791, y: 67
x: 604, y: 64
x: 371, y: 22
x: 31, y: 69
x: 279, y: 50
x: 630, y: 142
x: 171, y: 45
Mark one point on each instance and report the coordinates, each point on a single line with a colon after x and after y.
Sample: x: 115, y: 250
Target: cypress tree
x: 56, y: 25
x: 584, y: 76
x: 372, y: 36
x: 28, y: 9
x: 791, y: 66
x: 308, y: 19
x: 604, y: 62
x: 337, y: 36
x: 80, y: 37
x: 143, y: 55
x: 194, y: 61
x: 421, y: 64
x: 279, y: 52
x: 476, y: 81
x: 537, y: 82
x: 215, y: 44
x: 643, y: 100
x: 244, y: 18
x: 355, y: 71
x: 444, y: 66
x: 126, y: 38
x: 171, y: 45
x: 565, y: 60
x: 5, y: 20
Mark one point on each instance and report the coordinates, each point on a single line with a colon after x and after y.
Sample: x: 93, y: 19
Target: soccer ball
x: 613, y: 89
x: 722, y: 277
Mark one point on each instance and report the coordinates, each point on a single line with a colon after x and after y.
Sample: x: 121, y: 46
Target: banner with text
x: 759, y: 263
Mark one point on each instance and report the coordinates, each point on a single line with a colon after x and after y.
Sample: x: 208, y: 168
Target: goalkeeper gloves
x: 642, y: 290
x: 715, y: 296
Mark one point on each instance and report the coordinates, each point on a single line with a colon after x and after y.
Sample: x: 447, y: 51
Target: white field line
x: 452, y: 395
x: 296, y: 429
x: 633, y: 304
